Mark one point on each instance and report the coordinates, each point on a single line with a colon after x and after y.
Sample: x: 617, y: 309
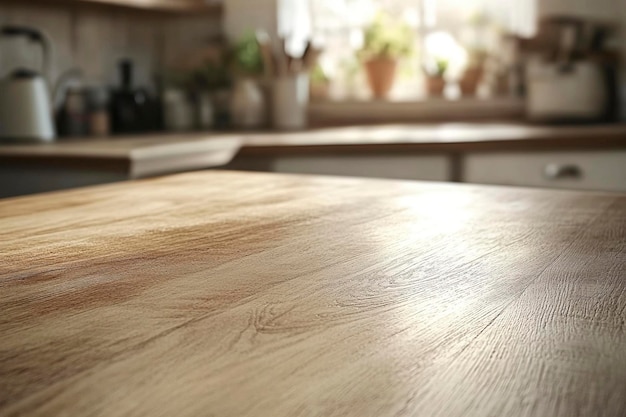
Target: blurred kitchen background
x: 275, y: 76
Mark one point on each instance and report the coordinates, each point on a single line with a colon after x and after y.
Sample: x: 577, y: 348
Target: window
x: 447, y: 36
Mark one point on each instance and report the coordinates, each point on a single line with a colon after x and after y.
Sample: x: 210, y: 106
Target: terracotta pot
x: 435, y: 86
x: 502, y: 85
x: 319, y: 91
x: 470, y: 81
x: 381, y: 75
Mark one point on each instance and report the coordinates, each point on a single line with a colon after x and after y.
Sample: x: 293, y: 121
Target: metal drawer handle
x: 562, y: 172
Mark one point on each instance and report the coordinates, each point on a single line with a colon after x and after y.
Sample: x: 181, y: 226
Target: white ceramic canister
x: 291, y: 100
x: 247, y: 105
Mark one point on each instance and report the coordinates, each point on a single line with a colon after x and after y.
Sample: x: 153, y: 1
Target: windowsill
x: 333, y: 113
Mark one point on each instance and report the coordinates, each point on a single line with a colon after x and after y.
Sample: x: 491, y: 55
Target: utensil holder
x: 291, y: 99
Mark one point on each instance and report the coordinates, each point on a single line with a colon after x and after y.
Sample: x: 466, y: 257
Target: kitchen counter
x: 28, y: 169
x: 575, y: 157
x: 236, y: 294
x: 36, y: 168
x: 450, y: 137
x: 135, y: 156
x: 398, y: 138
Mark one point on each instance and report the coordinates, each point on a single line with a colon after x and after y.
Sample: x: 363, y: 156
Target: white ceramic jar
x: 178, y: 111
x: 247, y: 105
x: 206, y: 111
x: 291, y: 99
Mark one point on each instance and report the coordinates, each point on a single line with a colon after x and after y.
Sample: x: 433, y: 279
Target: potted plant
x: 248, y: 108
x: 480, y: 25
x: 386, y: 40
x: 473, y: 73
x: 435, y: 77
x: 319, y: 83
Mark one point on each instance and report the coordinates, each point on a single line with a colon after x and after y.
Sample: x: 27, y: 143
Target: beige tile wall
x: 95, y: 38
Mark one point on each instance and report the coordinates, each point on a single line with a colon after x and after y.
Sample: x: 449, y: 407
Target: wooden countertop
x: 237, y: 294
x: 139, y: 156
x: 450, y: 137
x: 143, y: 156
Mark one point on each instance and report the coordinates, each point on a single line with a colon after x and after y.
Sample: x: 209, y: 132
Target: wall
x: 276, y: 17
x: 241, y: 16
x: 94, y: 38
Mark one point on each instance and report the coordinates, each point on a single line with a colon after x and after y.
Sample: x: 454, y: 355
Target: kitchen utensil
x: 599, y: 38
x: 133, y: 110
x: 567, y: 46
x: 269, y: 60
x: 178, y: 111
x: 99, y: 118
x: 205, y: 111
x: 26, y: 112
x: 82, y: 110
x: 622, y: 98
x: 311, y: 56
x: 71, y: 98
x: 284, y: 59
x: 73, y: 117
x: 577, y: 95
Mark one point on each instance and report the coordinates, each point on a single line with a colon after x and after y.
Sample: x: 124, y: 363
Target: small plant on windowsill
x: 481, y: 28
x: 320, y: 84
x: 473, y: 74
x: 386, y: 41
x: 435, y: 77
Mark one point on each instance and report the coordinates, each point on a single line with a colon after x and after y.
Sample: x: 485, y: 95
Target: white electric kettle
x: 25, y: 107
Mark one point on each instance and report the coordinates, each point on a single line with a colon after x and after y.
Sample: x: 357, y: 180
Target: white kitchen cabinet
x: 407, y: 167
x: 591, y: 170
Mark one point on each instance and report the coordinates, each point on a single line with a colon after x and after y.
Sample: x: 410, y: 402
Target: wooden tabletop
x: 237, y: 294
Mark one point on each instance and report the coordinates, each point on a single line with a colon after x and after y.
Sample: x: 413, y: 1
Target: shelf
x: 175, y: 6
x: 181, y: 6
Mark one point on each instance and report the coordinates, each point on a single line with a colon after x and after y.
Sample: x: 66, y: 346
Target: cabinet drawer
x: 603, y: 171
x: 426, y: 168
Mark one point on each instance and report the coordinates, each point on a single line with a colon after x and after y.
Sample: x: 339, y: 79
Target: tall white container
x: 247, y: 105
x: 291, y: 100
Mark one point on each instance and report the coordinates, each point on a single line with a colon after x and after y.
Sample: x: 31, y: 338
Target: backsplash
x: 95, y: 38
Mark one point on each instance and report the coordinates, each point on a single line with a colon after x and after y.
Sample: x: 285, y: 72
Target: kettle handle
x: 33, y: 35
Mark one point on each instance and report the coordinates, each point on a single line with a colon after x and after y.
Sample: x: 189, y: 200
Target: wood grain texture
x: 234, y: 294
